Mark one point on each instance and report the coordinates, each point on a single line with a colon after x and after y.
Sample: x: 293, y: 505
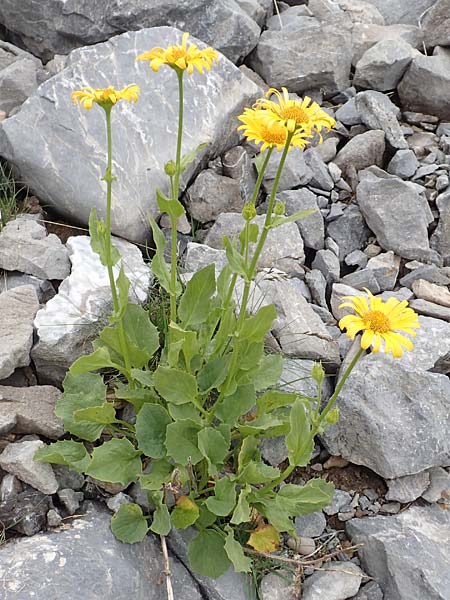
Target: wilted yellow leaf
x: 264, y: 539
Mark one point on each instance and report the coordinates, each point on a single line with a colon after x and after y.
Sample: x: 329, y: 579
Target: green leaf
x: 207, y: 554
x: 181, y: 442
x: 141, y: 335
x: 104, y: 414
x: 184, y: 411
x: 160, y: 472
x: 258, y: 161
x: 297, y: 216
x: 206, y: 518
x: 258, y: 472
x: 242, y: 511
x: 248, y: 451
x: 99, y: 240
x: 236, y: 261
x: 298, y: 441
x: 115, y: 461
x: 65, y: 452
x: 195, y: 301
x: 302, y: 500
x: 253, y: 231
x: 226, y: 329
x: 161, y: 523
x: 145, y: 378
x: 151, y: 425
x: 262, y: 424
x: 239, y: 403
x: 123, y: 287
x: 173, y: 208
x: 190, y: 156
x: 276, y: 515
x: 224, y: 500
x: 223, y: 282
x: 256, y: 328
x: 181, y: 340
x: 274, y: 399
x: 81, y: 391
x: 268, y: 372
x: 213, y: 373
x: 159, y: 266
x: 129, y: 524
x: 136, y: 396
x: 235, y: 552
x: 99, y: 359
x: 185, y: 513
x: 214, y: 448
x: 175, y: 385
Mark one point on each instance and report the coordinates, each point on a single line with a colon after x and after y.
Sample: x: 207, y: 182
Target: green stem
x: 318, y: 423
x: 261, y: 174
x: 175, y: 194
x: 109, y: 179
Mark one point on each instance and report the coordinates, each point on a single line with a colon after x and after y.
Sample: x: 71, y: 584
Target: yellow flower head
x: 105, y: 97
x: 304, y: 115
x: 181, y: 57
x: 381, y: 322
x: 265, y: 128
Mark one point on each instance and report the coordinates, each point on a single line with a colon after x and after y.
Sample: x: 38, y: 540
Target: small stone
x: 295, y: 172
x: 340, y: 499
x: 362, y: 279
x: 338, y: 291
x: 371, y: 591
x: 183, y: 225
x: 336, y: 581
x: 211, y: 195
x: 317, y: 284
x: 336, y: 462
x: 356, y: 258
x: 361, y: 151
x: 10, y: 487
x: 442, y: 183
x: 312, y: 227
x: 349, y: 231
x: 390, y: 508
x: 54, y: 519
x: 276, y: 587
x: 199, y: 256
x: 409, y: 488
x: 383, y: 65
x: 18, y: 459
x: 385, y: 267
x: 423, y: 307
x: 347, y: 113
x: 346, y: 515
x: 378, y: 112
x: 430, y: 291
x: 404, y: 164
x: 311, y: 525
x: 68, y: 478
x: 70, y: 500
x: 302, y: 545
x: 238, y: 165
x: 439, y: 485
x: 321, y: 176
x: 25, y: 513
x: 328, y: 263
x: 115, y: 502
x: 430, y: 273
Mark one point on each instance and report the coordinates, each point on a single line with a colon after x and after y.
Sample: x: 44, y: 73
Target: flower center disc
x: 295, y: 113
x: 377, y: 321
x: 275, y: 134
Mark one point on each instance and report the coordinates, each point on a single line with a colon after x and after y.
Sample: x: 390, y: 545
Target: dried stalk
x: 170, y: 595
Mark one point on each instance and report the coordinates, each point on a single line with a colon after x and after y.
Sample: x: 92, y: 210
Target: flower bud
x: 332, y: 417
x: 170, y: 168
x: 249, y: 211
x: 279, y: 209
x: 317, y: 373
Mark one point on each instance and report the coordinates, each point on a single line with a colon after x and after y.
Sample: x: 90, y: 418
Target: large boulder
x: 60, y: 150
x: 394, y: 419
x: 402, y: 11
x: 51, y: 27
x: 84, y: 560
x: 425, y: 87
x: 321, y: 61
x: 436, y: 24
x: 408, y: 553
x: 365, y: 35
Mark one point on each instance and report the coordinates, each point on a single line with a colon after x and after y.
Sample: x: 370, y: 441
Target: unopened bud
x: 317, y: 373
x: 170, y: 168
x: 279, y: 209
x: 332, y: 417
x: 249, y: 211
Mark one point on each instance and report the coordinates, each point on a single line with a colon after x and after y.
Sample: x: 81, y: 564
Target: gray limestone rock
x: 336, y: 581
x: 341, y: 498
x: 361, y: 151
x: 312, y: 226
x: 362, y: 279
x: 12, y: 279
x: 385, y: 267
x: 313, y: 64
x: 18, y: 308
x: 408, y: 488
x: 364, y: 36
x: 436, y: 24
x: 430, y: 273
x: 199, y: 256
x: 425, y: 86
x: 321, y: 178
x: 338, y: 291
x: 398, y: 215
x: 49, y: 28
x: 20, y: 75
x: 312, y: 525
x: 431, y: 292
x: 407, y: 554
x: 431, y: 309
x: 440, y: 238
x: 317, y: 284
x: 26, y: 247
x: 295, y: 171
x: 70, y: 500
x: 294, y: 18
x: 283, y: 249
x: 25, y: 513
x: 361, y: 11
x: 382, y: 66
x: 48, y: 566
x: 371, y: 591
x: 349, y: 231
x: 327, y: 262
x: 404, y: 164
x: 402, y: 11
x: 69, y: 322
x: 276, y: 587
x: 439, y: 487
x: 378, y: 112
x: 72, y: 185
x: 347, y: 113
x: 212, y: 194
x: 384, y: 423
x: 32, y: 409
x: 18, y: 459
x: 238, y: 165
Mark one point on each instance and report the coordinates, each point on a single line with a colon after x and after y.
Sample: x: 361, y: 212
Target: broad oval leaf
x: 207, y: 554
x: 195, y: 301
x: 264, y: 539
x: 65, y: 452
x: 115, y: 461
x: 175, y: 385
x: 151, y: 426
x: 224, y: 499
x: 185, y: 513
x: 182, y: 442
x: 214, y: 448
x: 129, y: 524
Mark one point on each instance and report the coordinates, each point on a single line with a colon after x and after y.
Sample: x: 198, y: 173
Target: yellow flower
x: 381, y: 322
x: 265, y: 128
x: 181, y: 57
x: 105, y: 97
x: 305, y: 115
